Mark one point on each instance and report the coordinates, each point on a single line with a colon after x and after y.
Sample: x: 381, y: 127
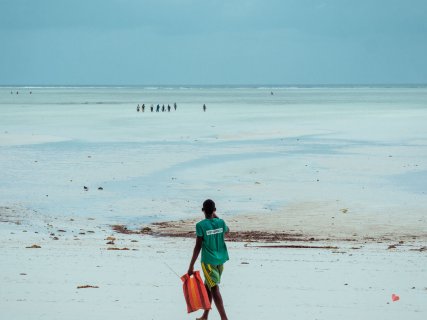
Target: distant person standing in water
x: 169, y: 108
x: 204, y: 107
x: 163, y: 108
x: 158, y: 108
x: 174, y: 106
x: 143, y: 108
x: 152, y: 107
x: 137, y: 108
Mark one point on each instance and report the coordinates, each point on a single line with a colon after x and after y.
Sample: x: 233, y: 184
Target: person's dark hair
x: 208, y: 207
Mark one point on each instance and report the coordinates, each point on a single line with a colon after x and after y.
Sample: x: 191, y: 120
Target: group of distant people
x: 157, y: 108
x: 17, y: 92
x: 163, y: 108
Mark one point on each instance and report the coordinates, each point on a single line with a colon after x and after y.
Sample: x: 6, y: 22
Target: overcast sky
x: 118, y: 42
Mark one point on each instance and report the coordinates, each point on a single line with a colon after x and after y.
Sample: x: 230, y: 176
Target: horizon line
x: 223, y: 85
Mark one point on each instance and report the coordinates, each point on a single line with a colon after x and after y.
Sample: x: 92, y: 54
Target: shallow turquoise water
x: 251, y: 151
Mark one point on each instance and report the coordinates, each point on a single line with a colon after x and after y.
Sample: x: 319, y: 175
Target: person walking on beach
x: 204, y: 107
x: 210, y: 239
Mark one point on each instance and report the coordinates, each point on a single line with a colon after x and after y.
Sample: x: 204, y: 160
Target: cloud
x: 220, y: 41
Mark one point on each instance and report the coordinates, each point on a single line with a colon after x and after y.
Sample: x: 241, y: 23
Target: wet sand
x: 305, y: 222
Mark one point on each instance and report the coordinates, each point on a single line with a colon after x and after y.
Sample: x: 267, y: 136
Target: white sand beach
x: 324, y: 189
x: 353, y: 280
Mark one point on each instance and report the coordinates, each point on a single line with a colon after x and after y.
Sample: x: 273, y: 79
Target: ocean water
x: 251, y: 151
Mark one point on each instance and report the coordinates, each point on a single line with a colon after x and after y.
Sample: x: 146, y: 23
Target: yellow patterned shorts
x: 212, y: 274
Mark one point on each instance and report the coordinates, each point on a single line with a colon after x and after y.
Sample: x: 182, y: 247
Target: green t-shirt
x: 214, y: 250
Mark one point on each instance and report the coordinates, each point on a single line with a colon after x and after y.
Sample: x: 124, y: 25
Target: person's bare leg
x: 218, y: 302
x: 206, y: 313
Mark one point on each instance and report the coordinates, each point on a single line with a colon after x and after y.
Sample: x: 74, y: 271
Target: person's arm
x: 196, y: 252
x: 227, y: 229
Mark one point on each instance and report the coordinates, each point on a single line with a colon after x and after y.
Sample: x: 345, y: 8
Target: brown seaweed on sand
x: 34, y: 246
